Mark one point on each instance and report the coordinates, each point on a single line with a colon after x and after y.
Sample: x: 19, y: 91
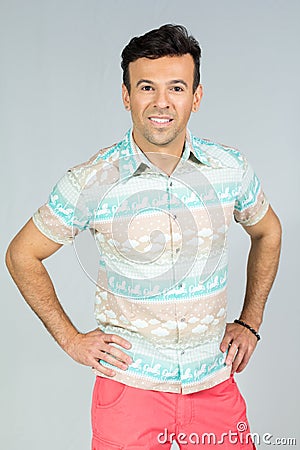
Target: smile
x: 160, y: 120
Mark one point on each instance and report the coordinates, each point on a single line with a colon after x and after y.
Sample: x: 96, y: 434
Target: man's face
x: 161, y: 100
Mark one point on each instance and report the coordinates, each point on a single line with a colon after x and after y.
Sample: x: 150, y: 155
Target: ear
x: 125, y: 97
x: 197, y: 98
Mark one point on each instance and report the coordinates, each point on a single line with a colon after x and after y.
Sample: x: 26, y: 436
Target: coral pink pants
x: 125, y: 417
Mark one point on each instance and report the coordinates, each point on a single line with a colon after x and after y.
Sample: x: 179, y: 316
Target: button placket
x: 171, y: 218
x: 175, y: 250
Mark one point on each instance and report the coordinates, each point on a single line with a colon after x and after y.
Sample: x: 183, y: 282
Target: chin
x: 161, y: 139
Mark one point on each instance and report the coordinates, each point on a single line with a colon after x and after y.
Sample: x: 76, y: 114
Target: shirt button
x: 182, y: 352
x: 174, y: 216
x: 170, y: 184
x: 183, y: 319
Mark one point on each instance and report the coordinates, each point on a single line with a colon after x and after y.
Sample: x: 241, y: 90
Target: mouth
x: 160, y: 121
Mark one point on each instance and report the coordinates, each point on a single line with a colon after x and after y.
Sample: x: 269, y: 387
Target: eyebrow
x: 143, y: 81
x: 178, y: 82
x: 169, y: 83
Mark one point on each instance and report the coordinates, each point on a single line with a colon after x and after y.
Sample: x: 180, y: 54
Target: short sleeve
x: 251, y: 203
x: 65, y: 214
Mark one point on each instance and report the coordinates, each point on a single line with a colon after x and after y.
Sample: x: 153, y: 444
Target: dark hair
x: 168, y: 40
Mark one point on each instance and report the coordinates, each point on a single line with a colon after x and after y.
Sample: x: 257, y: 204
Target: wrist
x: 251, y: 329
x: 68, y: 341
x: 254, y: 322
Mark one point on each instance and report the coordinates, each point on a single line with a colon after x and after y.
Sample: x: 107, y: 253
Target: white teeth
x: 155, y: 119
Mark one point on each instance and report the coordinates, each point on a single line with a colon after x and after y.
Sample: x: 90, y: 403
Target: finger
x: 117, y: 340
x: 231, y: 354
x: 241, y: 367
x: 105, y: 370
x: 237, y: 359
x: 116, y: 353
x: 225, y: 342
x: 244, y: 362
x: 113, y: 361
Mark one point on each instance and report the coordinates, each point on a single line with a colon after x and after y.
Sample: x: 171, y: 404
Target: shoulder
x: 102, y: 156
x: 96, y: 168
x: 223, y: 155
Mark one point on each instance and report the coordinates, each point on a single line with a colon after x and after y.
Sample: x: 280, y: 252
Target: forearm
x: 262, y: 267
x: 35, y: 285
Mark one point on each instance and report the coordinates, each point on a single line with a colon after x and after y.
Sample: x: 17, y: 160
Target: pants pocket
x: 109, y: 405
x: 108, y: 393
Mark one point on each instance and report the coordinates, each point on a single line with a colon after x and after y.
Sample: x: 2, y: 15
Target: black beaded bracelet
x: 240, y: 322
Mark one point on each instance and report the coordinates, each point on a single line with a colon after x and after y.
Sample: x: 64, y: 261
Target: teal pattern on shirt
x: 162, y: 249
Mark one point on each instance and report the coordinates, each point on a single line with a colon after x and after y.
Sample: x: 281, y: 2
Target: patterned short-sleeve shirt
x: 163, y: 261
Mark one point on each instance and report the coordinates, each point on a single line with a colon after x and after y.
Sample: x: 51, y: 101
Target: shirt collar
x: 133, y: 161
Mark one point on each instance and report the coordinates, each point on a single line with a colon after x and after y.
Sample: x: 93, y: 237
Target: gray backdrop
x: 61, y: 102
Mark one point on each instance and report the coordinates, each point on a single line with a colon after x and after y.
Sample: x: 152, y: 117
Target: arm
x: 24, y: 261
x: 262, y: 267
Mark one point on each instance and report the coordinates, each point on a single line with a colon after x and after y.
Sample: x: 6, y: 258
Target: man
x: 159, y: 204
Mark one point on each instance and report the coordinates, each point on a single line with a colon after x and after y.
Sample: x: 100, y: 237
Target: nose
x: 161, y: 99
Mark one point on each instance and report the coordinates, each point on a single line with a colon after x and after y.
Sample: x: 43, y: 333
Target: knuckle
x: 248, y: 355
x: 245, y: 362
x: 243, y: 346
x: 120, y: 366
x: 113, y: 338
x: 101, y: 339
x: 251, y: 349
x: 105, y: 348
x: 104, y: 356
x: 111, y: 374
x: 232, y: 350
x: 228, y: 332
x: 233, y: 346
x: 105, y: 337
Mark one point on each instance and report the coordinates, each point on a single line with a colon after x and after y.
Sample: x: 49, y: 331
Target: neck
x: 173, y: 148
x: 165, y: 157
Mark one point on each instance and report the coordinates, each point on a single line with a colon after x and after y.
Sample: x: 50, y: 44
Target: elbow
x: 269, y: 231
x: 9, y: 258
x: 13, y: 256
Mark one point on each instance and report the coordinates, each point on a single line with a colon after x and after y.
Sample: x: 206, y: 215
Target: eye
x: 177, y: 89
x: 147, y: 88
